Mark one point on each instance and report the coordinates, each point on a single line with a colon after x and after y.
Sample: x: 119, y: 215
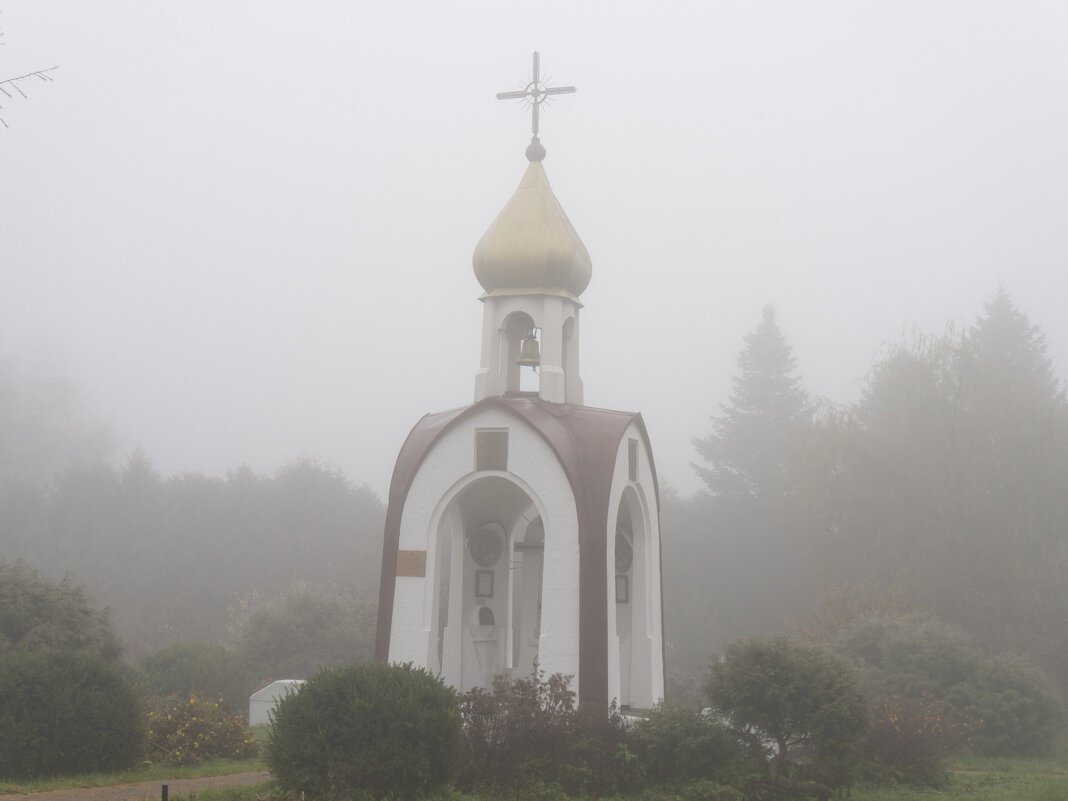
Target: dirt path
x: 142, y: 791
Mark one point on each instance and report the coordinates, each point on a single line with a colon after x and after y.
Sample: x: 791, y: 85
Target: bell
x: 529, y: 355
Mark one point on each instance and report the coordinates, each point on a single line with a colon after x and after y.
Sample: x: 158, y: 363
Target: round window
x: 485, y: 546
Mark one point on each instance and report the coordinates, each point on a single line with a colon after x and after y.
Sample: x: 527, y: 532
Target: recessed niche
x: 491, y: 450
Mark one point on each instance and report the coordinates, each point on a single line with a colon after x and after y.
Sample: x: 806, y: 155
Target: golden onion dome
x: 532, y: 246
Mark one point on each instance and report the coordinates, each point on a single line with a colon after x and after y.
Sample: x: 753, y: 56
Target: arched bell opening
x: 521, y: 352
x: 632, y: 635
x: 475, y: 592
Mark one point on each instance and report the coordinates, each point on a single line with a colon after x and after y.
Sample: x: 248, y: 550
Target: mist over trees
x: 942, y: 491
x: 282, y: 570
x: 731, y: 554
x: 194, y: 558
x: 950, y: 477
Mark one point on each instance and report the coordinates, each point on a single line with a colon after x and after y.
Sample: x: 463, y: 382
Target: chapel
x: 523, y: 531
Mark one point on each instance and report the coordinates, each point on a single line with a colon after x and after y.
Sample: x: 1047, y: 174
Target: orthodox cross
x: 535, y: 93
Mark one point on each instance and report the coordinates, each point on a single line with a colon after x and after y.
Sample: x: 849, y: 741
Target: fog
x: 244, y: 231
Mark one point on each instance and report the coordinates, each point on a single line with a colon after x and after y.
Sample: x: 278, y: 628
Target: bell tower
x: 533, y: 267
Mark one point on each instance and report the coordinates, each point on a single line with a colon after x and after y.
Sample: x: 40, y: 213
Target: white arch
x: 436, y: 516
x: 447, y: 521
x: 634, y: 637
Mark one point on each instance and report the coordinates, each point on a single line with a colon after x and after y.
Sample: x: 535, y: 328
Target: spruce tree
x: 746, y: 560
x: 751, y: 438
x: 1008, y: 349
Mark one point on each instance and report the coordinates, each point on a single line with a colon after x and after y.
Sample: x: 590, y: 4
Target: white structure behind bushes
x: 262, y: 702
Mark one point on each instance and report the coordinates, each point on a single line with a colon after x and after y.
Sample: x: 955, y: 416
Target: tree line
x: 286, y: 565
x: 941, y: 492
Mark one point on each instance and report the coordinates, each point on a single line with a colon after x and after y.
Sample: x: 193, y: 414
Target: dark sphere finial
x: 535, y: 150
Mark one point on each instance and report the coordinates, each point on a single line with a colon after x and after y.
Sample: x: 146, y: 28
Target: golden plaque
x: 411, y: 563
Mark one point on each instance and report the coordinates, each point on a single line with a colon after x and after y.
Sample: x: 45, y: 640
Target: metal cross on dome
x: 536, y: 92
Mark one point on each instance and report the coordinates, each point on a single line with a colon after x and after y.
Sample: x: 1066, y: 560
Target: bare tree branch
x: 13, y: 83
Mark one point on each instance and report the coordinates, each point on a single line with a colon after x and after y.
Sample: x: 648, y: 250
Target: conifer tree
x: 745, y: 559
x: 1009, y: 349
x: 751, y: 438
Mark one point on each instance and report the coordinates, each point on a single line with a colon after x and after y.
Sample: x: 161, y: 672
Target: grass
x: 246, y: 792
x: 1011, y: 765
x: 977, y: 778
x: 972, y: 779
x: 146, y: 772
x: 975, y: 787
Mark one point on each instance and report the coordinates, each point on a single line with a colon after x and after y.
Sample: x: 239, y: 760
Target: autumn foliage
x: 909, y: 738
x: 189, y: 730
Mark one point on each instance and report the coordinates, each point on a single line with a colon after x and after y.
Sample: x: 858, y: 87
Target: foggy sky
x: 245, y: 230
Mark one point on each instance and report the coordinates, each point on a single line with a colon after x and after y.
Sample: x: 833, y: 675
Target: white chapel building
x: 523, y: 531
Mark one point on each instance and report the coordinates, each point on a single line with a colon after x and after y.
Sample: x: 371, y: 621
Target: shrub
x: 680, y: 744
x: 908, y: 655
x: 1020, y: 712
x: 368, y: 731
x: 186, y: 731
x: 910, y: 737
x: 601, y: 760
x: 195, y: 668
x: 796, y: 705
x: 529, y: 734
x: 1016, y: 711
x: 66, y: 712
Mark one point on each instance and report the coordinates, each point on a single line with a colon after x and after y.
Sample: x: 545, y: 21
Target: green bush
x: 796, y: 706
x: 195, y: 668
x: 528, y: 734
x: 907, y: 655
x: 66, y: 712
x: 1020, y: 712
x: 680, y: 744
x: 366, y: 731
x: 1017, y: 711
x: 184, y: 731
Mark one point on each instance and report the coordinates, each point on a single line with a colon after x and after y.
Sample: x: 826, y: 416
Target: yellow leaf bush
x: 182, y: 731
